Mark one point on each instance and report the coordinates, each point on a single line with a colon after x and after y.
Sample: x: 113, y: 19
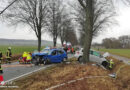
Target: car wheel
x: 80, y: 59
x: 45, y: 62
x: 36, y: 61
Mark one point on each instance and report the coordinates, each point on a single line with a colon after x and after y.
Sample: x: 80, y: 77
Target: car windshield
x: 45, y: 51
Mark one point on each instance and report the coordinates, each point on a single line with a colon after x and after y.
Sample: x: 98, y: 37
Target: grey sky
x: 123, y: 28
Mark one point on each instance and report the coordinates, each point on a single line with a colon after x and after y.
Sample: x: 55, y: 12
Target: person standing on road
x: 8, y: 55
x: 0, y: 57
x: 65, y: 49
x: 29, y: 57
x: 72, y: 50
x: 24, y: 56
x: 1, y: 70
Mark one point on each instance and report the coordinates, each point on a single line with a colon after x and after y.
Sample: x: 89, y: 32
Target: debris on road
x: 106, y: 54
x: 113, y: 75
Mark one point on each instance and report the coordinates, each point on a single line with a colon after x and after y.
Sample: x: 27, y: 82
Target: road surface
x: 14, y: 70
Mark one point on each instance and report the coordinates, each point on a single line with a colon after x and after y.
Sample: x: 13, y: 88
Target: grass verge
x: 120, y: 52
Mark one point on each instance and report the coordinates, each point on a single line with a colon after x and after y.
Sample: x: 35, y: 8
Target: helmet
x: 111, y: 60
x: 9, y: 47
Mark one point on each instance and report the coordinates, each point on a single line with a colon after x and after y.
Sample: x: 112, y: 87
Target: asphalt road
x: 14, y: 70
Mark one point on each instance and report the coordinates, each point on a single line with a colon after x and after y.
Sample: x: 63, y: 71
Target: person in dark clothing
x: 65, y: 49
x: 8, y: 55
x: 1, y: 70
x: 0, y: 57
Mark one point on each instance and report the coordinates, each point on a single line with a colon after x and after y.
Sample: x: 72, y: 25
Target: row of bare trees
x: 42, y: 16
x: 121, y: 42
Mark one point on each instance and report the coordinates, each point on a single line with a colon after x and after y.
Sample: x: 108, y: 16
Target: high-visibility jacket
x: 8, y: 54
x: 25, y: 54
x: 29, y: 57
x: 111, y: 64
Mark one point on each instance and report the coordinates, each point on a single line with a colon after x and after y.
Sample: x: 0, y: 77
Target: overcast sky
x: 123, y: 28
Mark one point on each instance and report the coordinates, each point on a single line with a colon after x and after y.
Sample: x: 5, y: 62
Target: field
x: 18, y: 49
x: 120, y: 52
x: 63, y: 73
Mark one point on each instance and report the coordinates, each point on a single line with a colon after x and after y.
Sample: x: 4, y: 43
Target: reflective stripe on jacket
x: 29, y: 57
x: 111, y: 64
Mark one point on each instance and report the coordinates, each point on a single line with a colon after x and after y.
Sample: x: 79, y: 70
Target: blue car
x: 49, y: 56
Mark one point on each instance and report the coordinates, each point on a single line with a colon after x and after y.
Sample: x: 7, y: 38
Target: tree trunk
x: 88, y: 31
x: 39, y: 42
x: 87, y: 46
x: 54, y: 42
x: 62, y: 42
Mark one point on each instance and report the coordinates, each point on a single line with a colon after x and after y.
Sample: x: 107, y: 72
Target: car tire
x: 36, y: 61
x: 80, y: 59
x: 45, y: 62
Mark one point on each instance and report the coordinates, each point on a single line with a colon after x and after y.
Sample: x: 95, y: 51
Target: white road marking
x: 27, y: 74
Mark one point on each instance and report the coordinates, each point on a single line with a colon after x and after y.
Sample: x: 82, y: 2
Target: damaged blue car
x: 49, y: 56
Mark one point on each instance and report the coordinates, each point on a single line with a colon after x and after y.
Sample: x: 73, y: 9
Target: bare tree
x: 98, y: 15
x: 30, y: 12
x: 1, y: 12
x: 125, y: 41
x: 54, y: 19
x: 64, y: 27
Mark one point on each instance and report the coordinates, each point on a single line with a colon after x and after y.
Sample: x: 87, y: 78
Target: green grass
x: 18, y: 49
x: 120, y: 52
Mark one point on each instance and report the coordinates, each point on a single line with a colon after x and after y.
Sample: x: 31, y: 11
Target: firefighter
x: 0, y: 57
x: 72, y: 50
x: 8, y: 55
x: 29, y: 57
x: 1, y: 70
x: 110, y: 64
x: 24, y: 56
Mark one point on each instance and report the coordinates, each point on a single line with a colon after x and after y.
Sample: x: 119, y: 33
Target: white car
x: 93, y: 58
x: 79, y: 54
